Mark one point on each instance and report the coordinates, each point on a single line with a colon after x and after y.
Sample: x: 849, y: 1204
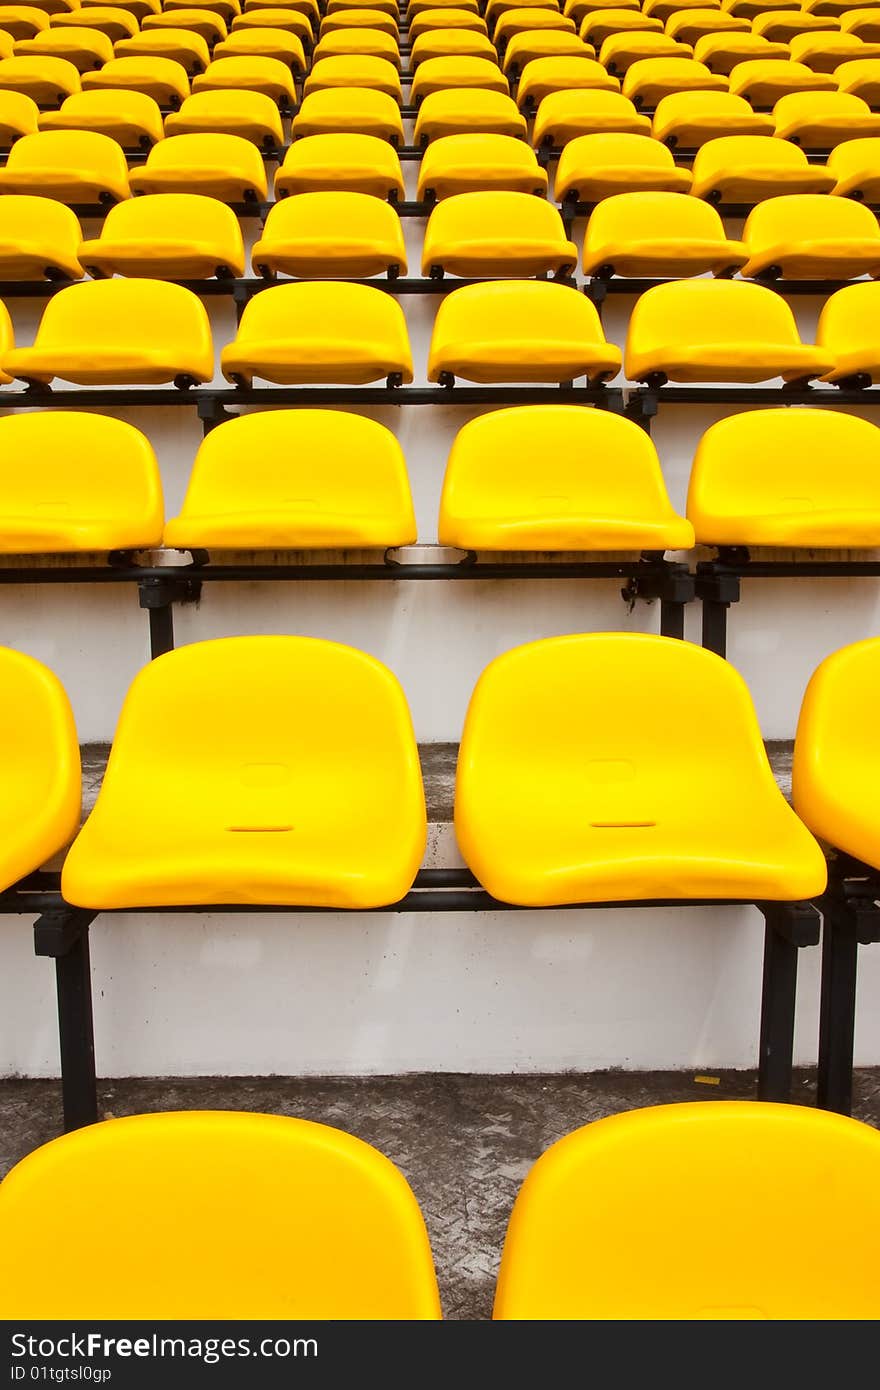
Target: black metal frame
x: 850, y: 911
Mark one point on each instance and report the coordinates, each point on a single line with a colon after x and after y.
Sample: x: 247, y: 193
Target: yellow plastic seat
x: 848, y: 333
x: 211, y: 26
x: 829, y: 49
x: 341, y: 111
x: 789, y: 477
x: 335, y: 234
x: 643, y: 776
x: 855, y: 165
x: 821, y: 120
x: 74, y: 166
x: 808, y: 236
x: 717, y: 330
x: 535, y: 477
x: 85, y: 48
x: 172, y: 236
x: 129, y: 118
x: 226, y: 9
x: 225, y: 1214
x: 723, y: 52
x: 304, y: 762
x: 658, y: 234
x: 666, y: 9
x: 688, y: 26
x: 494, y: 9
x: 781, y: 26
x: 267, y: 76
x: 47, y: 81
x: 39, y: 238
x: 529, y: 19
x: 475, y: 163
x: 592, y: 167
x: 469, y: 112
x: 91, y: 483
x: 118, y: 333
x: 52, y: 7
x: 648, y: 82
x: 7, y: 341
x: 564, y: 116
x: 264, y: 43
x: 763, y: 82
x: 184, y: 46
x: 519, y: 331
x: 363, y: 19
x: 319, y: 332
x: 377, y: 74
x: 438, y: 74
x: 227, y: 167
x: 835, y: 754
x: 277, y: 18
x: 443, y: 19
x: 39, y: 809
x: 864, y: 23
x: 542, y: 76
x: 749, y: 9
x: 8, y: 45
x: 748, y: 168
x: 138, y: 8
x: 23, y: 21
x: 308, y: 8
x: 250, y: 115
x: 860, y: 77
x: 353, y: 43
x: 667, y: 1214
x: 335, y: 7
x: 345, y: 163
x: 19, y: 115
x: 166, y: 81
x: 689, y: 119
x: 443, y: 43
x: 601, y: 24
x: 296, y: 480
x: 835, y: 8
x: 620, y: 51
x: 579, y: 9
x: 417, y: 7
x: 496, y: 233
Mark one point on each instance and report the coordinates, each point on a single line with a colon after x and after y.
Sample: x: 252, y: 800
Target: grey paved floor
x: 464, y: 1142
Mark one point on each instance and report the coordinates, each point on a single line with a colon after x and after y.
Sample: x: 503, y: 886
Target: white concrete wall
x: 541, y: 991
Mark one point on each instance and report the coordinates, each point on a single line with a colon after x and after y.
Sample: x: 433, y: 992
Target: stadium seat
x: 118, y: 333
x: 722, y: 52
x: 418, y: 7
x: 749, y: 9
x: 23, y: 21
x: 564, y: 116
x: 519, y: 331
x: 833, y: 8
x: 658, y: 234
x: 494, y: 9
x: 647, y: 82
x: 543, y: 43
x: 77, y: 482
x: 592, y: 167
x: 282, y: 17
x: 340, y: 235
x: 821, y: 120
x: 860, y: 77
x: 688, y: 119
x: 41, y: 767
x: 138, y: 8
x: 211, y: 26
x: 47, y: 81
x: 227, y: 9
x: 780, y: 26
x: 227, y: 167
x: 340, y: 111
x: 474, y: 163
x: 172, y: 236
x: 268, y: 76
x: 19, y: 115
x: 535, y: 477
x: 763, y: 82
x: 542, y: 76
x: 349, y: 43
x: 449, y: 18
x: 162, y: 79
x: 864, y: 23
x: 309, y: 8
x: 689, y: 26
x: 130, y: 118
x: 307, y: 772
x: 365, y: 19
x: 183, y: 46
x: 202, y: 1214
x: 469, y: 112
x: 296, y: 480
x: 748, y: 168
x: 717, y: 330
x: 855, y: 165
x: 347, y: 163
x: 847, y: 332
x: 250, y: 115
x: 620, y: 51
x: 644, y: 776
x: 444, y: 43
x: 375, y: 73
x: 85, y: 48
x: 789, y: 477
x: 829, y: 49
x: 599, y: 25
x: 496, y: 233
x: 438, y: 74
x: 74, y: 166
x: 808, y: 236
x: 320, y: 332
x: 667, y: 1214
x: 666, y: 9
x: 39, y: 238
x: 522, y: 19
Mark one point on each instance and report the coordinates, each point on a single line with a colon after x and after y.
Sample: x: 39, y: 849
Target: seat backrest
x: 45, y: 72
x: 79, y: 150
x: 813, y: 107
x: 730, y: 153
x: 698, y: 1211
x: 113, y: 104
x: 325, y: 312
x: 468, y: 218
x: 160, y: 217
x: 214, y: 1215
x: 115, y: 314
x: 611, y: 151
x: 795, y: 218
x: 692, y: 312
x: 24, y: 216
x: 855, y: 158
x: 164, y: 75
x: 510, y: 311
x: 848, y: 320
x: 230, y: 153
x: 451, y: 153
x: 650, y: 217
x: 322, y: 216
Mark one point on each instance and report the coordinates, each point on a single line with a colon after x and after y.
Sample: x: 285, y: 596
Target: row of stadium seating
x: 662, y: 1213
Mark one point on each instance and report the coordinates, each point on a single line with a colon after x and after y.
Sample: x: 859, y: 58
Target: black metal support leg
x: 671, y: 619
x: 714, y: 634
x: 788, y: 927
x: 158, y: 594
x: 64, y: 935
x: 837, y: 1014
